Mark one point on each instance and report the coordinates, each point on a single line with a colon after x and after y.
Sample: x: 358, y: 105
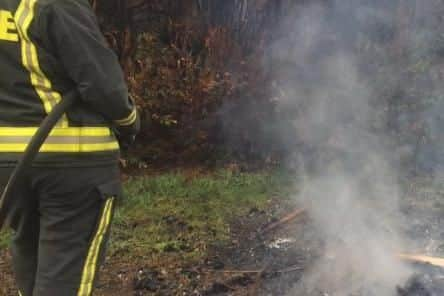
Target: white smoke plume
x: 350, y: 175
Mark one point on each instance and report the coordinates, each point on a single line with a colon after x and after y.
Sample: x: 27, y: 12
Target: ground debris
x: 284, y: 220
x: 149, y: 280
x: 427, y: 281
x: 216, y: 288
x: 416, y: 286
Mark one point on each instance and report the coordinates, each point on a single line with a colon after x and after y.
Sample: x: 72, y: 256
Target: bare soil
x: 252, y: 263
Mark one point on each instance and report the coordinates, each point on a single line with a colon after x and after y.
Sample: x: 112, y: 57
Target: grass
x: 5, y: 238
x: 173, y: 212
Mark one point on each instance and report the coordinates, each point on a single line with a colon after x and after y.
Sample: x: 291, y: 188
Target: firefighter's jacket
x: 49, y: 50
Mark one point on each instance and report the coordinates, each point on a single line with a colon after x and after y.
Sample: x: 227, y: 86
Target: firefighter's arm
x: 74, y: 35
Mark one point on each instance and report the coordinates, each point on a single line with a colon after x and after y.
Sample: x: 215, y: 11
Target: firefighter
x: 62, y: 210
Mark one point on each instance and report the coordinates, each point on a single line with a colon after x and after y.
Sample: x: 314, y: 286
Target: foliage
x: 5, y: 238
x: 199, y: 71
x: 194, y: 76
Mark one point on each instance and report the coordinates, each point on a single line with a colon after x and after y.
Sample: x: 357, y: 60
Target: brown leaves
x: 181, y: 70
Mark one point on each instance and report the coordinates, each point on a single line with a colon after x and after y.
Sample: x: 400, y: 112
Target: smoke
x: 341, y: 147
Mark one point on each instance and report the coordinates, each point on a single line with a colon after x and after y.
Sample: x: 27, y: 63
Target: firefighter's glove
x: 126, y: 134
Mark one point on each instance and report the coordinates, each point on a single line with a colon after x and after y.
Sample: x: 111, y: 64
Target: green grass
x: 172, y: 212
x: 5, y: 237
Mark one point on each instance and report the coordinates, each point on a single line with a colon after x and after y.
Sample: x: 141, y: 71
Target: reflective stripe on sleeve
x: 130, y: 119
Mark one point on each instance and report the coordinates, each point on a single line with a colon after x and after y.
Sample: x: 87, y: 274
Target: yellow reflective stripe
x: 130, y: 119
x: 42, y: 85
x: 74, y: 148
x: 90, y: 266
x: 70, y: 139
x: 57, y: 131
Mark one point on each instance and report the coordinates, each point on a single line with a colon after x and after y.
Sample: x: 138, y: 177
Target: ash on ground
x: 429, y: 281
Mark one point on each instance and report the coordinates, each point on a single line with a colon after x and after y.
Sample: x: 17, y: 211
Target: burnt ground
x: 257, y: 262
x: 254, y: 262
x: 423, y: 209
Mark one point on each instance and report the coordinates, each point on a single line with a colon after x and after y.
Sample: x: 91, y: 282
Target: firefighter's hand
x: 126, y: 135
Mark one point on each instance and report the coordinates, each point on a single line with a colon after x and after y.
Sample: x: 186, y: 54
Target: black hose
x: 31, y: 152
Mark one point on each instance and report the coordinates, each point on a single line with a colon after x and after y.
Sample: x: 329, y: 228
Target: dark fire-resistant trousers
x: 61, y: 218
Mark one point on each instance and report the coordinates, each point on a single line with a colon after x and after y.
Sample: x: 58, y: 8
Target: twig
x: 231, y: 271
x: 228, y: 286
x: 253, y: 287
x: 423, y: 259
x: 290, y: 269
x: 258, y: 271
x: 286, y: 219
